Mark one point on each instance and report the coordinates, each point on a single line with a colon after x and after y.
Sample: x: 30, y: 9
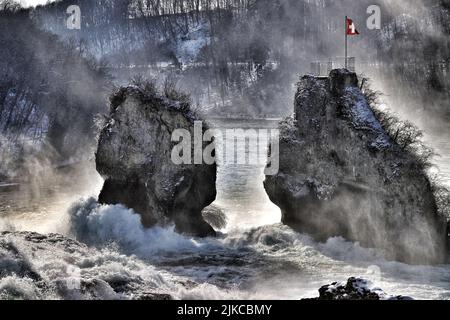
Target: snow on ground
x: 189, y: 45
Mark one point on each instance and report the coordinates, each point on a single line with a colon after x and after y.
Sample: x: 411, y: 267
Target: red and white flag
x: 351, y: 28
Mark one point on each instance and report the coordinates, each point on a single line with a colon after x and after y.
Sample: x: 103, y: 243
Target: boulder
x: 215, y: 216
x: 355, y: 289
x: 134, y: 158
x: 342, y: 175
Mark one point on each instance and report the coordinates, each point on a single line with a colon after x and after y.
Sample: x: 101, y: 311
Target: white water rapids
x: 255, y: 257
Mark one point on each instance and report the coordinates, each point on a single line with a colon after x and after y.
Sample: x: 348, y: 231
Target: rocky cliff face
x: 134, y: 157
x: 341, y: 175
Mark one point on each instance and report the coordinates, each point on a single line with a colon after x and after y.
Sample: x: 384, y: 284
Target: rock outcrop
x: 134, y: 157
x: 342, y: 175
x: 355, y: 289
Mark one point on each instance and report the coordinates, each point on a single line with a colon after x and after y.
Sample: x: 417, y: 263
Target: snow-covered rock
x: 341, y: 175
x: 355, y: 289
x: 134, y: 157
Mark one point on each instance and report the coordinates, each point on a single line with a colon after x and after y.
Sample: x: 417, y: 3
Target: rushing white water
x: 255, y: 257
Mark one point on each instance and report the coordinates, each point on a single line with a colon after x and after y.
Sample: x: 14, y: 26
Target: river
x: 254, y: 257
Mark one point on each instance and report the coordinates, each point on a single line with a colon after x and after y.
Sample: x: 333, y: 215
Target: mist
x: 235, y: 63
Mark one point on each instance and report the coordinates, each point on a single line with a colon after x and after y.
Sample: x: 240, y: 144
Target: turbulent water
x: 254, y: 257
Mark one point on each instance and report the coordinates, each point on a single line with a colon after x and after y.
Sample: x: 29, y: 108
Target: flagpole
x: 346, y: 40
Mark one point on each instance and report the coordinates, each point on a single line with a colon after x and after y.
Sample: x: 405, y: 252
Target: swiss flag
x: 351, y: 28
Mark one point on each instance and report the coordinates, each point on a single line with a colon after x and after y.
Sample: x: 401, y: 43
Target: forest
x: 49, y: 94
x: 412, y: 41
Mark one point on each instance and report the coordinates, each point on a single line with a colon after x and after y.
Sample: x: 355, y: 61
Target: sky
x: 27, y: 3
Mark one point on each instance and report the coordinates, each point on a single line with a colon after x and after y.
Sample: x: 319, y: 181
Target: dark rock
x: 340, y: 80
x: 341, y: 175
x: 355, y: 289
x: 215, y: 216
x: 134, y: 157
x: 154, y: 297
